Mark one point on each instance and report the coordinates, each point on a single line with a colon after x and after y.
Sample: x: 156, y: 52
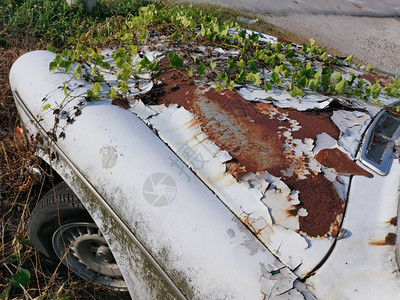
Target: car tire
x: 61, y: 228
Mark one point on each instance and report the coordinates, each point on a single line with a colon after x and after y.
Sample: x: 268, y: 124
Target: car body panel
x: 363, y: 264
x: 263, y: 166
x: 196, y: 241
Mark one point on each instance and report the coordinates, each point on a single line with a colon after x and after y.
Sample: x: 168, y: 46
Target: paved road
x: 369, y: 29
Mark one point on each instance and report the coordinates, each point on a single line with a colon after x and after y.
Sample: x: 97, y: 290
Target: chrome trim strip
x: 124, y: 227
x: 383, y: 167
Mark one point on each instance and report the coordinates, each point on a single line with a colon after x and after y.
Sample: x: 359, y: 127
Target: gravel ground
x: 369, y: 29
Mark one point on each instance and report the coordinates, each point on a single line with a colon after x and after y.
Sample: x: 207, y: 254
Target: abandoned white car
x: 197, y: 187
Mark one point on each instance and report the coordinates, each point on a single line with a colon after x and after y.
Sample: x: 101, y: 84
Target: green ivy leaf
x: 361, y: 82
x: 78, y: 71
x: 241, y: 77
x: 175, y: 60
x: 275, y: 78
x: 154, y: 66
x: 213, y: 64
x: 252, y: 65
x: 123, y: 86
x: 357, y: 93
x: 201, y: 69
x: 337, y: 77
x: 126, y: 71
x: 21, y: 278
x: 257, y: 79
x: 99, y: 78
x: 340, y: 87
x: 240, y: 64
x: 396, y: 82
x: 352, y: 79
x: 196, y: 61
x: 369, y: 68
x: 349, y: 59
x: 290, y: 54
x: 145, y: 62
x: 119, y: 62
x: 223, y: 77
x: 46, y: 107
x: 175, y: 36
x: 218, y: 87
x: 296, y: 92
x: 231, y: 85
x: 53, y: 65
x: 267, y: 86
x: 324, y: 57
x: 120, y: 53
x: 67, y: 65
x: 313, y: 84
x: 65, y: 90
x: 305, y: 48
x: 112, y: 94
x: 291, y: 85
x: 51, y: 48
x: 132, y: 49
x: 127, y: 36
x: 99, y: 60
x: 190, y: 73
x: 303, y: 81
x: 242, y: 34
x: 376, y: 90
x: 96, y: 88
x: 394, y: 92
x: 93, y: 70
x: 231, y: 64
x: 286, y: 73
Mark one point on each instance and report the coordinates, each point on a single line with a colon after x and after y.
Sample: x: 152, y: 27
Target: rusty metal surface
x: 255, y: 134
x: 258, y: 154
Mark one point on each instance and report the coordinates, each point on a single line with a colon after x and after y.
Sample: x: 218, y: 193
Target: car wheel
x: 61, y: 229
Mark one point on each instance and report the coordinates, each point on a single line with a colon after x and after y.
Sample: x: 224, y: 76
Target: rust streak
x: 390, y: 240
x: 201, y: 142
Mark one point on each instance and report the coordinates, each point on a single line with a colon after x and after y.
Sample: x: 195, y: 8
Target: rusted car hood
x: 282, y: 165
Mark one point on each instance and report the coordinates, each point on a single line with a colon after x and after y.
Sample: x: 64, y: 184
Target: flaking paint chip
x: 336, y: 159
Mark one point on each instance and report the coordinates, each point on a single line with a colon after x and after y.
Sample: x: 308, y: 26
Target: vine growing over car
x: 257, y: 61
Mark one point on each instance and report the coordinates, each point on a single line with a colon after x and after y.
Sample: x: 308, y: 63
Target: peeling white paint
x: 352, y: 125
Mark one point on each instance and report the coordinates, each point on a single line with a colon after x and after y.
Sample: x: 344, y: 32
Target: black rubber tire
x: 61, y: 208
x: 58, y: 207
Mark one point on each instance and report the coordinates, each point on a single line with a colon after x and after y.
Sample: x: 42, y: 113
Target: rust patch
x: 334, y: 158
x: 392, y: 221
x: 313, y: 123
x: 281, y: 39
x: 121, y: 103
x: 319, y: 197
x: 252, y: 133
x: 373, y: 77
x: 390, y: 240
